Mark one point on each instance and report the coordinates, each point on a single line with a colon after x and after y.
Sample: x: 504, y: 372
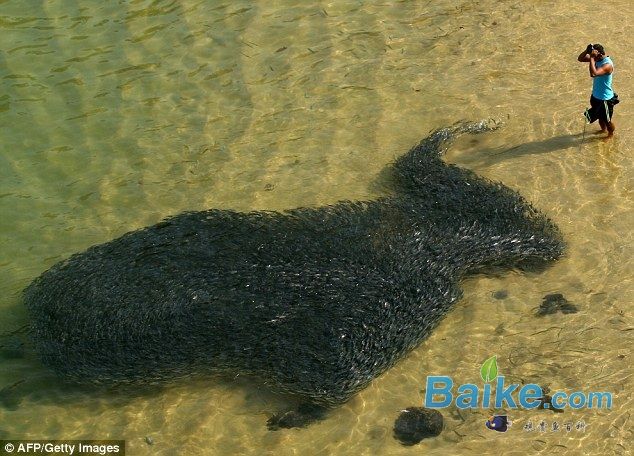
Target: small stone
x: 554, y: 303
x: 555, y: 298
x: 149, y: 440
x: 547, y: 308
x: 546, y: 403
x: 269, y: 187
x: 304, y: 415
x: 568, y: 308
x: 416, y: 423
x: 501, y: 294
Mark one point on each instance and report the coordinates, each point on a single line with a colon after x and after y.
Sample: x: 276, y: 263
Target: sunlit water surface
x: 115, y: 115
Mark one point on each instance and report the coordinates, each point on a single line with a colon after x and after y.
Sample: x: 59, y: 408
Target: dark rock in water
x: 316, y: 302
x: 304, y: 415
x: 548, y: 307
x: 546, y: 403
x: 149, y: 440
x: 501, y: 294
x: 555, y: 298
x: 554, y: 303
x: 416, y: 423
x: 568, y: 308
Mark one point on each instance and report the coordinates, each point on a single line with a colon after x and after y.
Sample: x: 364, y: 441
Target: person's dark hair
x: 599, y: 48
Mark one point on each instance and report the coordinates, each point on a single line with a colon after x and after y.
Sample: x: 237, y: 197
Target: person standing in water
x: 603, y: 98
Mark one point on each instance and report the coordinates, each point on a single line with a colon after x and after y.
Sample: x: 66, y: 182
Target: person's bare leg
x: 603, y: 126
x: 610, y: 127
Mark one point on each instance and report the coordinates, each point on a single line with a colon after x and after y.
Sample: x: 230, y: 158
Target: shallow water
x: 117, y: 114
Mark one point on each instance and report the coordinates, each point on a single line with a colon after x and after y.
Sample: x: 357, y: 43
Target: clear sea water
x: 114, y: 115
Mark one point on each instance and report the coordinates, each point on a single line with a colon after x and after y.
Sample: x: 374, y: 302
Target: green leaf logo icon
x: 489, y: 369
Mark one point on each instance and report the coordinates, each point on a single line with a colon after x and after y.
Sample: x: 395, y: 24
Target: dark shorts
x: 599, y: 109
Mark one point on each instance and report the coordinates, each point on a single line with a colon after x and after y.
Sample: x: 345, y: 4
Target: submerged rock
x: 501, y: 294
x: 417, y: 423
x: 554, y: 303
x: 302, y: 416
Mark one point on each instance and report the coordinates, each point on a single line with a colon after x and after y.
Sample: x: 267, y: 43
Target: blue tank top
x: 602, y: 85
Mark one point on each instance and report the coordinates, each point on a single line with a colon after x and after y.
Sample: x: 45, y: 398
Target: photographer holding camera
x: 603, y: 98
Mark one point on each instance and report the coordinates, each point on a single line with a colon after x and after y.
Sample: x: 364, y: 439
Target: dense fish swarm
x: 314, y: 301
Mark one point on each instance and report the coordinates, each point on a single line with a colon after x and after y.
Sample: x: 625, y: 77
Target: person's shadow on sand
x: 491, y: 156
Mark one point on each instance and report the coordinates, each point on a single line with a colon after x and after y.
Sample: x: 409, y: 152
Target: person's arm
x: 594, y: 71
x: 584, y: 57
